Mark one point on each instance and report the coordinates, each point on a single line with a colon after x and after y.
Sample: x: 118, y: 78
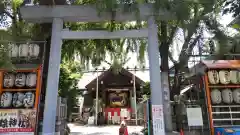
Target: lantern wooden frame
x: 36, y: 90
x: 218, y: 65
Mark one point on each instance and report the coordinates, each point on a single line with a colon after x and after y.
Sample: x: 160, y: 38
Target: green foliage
x: 13, y: 30
x: 190, y: 17
x: 5, y: 61
x: 95, y: 51
x: 146, y: 90
x: 68, y: 81
x: 236, y: 26
x: 193, y: 17
x: 21, y: 31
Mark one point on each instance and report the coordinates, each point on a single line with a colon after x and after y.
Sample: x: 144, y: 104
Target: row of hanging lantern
x: 24, y: 50
x: 19, y: 80
x: 224, y: 77
x: 18, y: 99
x: 225, y: 95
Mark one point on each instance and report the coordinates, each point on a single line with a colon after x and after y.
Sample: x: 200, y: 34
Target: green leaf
x: 236, y: 26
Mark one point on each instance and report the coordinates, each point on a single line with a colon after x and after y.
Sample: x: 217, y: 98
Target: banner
x: 17, y: 120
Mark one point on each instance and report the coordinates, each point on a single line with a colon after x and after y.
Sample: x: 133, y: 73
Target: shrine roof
x: 105, y: 74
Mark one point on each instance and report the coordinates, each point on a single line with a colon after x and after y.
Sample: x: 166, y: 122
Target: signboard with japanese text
x: 17, y: 120
x: 158, y: 120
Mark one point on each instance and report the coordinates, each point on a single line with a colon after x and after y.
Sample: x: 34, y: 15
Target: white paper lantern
x: 34, y: 50
x: 31, y: 80
x: 28, y: 100
x: 8, y: 80
x: 20, y: 80
x: 236, y: 96
x: 13, y: 50
x: 234, y: 77
x: 227, y: 96
x: 23, y: 50
x: 224, y: 76
x: 18, y: 99
x: 6, y: 99
x: 216, y: 96
x: 10, y: 49
x: 213, y: 77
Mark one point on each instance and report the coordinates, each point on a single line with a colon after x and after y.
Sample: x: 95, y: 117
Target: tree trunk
x: 175, y: 90
x: 165, y: 77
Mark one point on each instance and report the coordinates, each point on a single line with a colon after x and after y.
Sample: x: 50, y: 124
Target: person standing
x: 123, y: 129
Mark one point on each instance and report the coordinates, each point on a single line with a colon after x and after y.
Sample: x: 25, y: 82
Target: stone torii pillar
x: 65, y: 13
x: 49, y: 116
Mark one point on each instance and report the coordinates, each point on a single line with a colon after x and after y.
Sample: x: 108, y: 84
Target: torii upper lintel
x: 88, y: 13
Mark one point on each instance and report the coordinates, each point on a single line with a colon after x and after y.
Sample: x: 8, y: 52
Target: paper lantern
x: 6, y: 99
x: 234, y: 76
x: 20, y: 80
x: 34, y: 50
x: 216, y: 96
x: 18, y: 99
x: 224, y: 77
x: 23, y: 50
x: 28, y: 100
x: 236, y: 96
x: 227, y: 96
x: 31, y: 80
x: 10, y: 49
x: 8, y: 80
x: 13, y: 50
x: 213, y: 77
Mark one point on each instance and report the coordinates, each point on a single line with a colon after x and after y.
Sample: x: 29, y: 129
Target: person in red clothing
x: 123, y: 129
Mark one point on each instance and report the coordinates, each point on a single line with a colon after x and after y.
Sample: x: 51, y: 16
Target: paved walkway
x: 101, y: 130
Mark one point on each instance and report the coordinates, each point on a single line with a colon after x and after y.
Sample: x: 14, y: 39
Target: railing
x: 62, y: 109
x: 226, y: 115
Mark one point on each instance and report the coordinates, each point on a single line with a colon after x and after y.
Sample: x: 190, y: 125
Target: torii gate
x: 65, y: 13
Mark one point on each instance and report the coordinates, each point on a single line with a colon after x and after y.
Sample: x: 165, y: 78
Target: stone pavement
x: 113, y: 130
x: 100, y: 130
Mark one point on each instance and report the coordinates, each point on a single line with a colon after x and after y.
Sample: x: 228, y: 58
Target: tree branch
x: 107, y: 62
x: 192, y: 45
x: 19, y: 14
x: 191, y: 30
x: 170, y: 41
x: 171, y: 58
x: 186, y: 54
x: 8, y: 14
